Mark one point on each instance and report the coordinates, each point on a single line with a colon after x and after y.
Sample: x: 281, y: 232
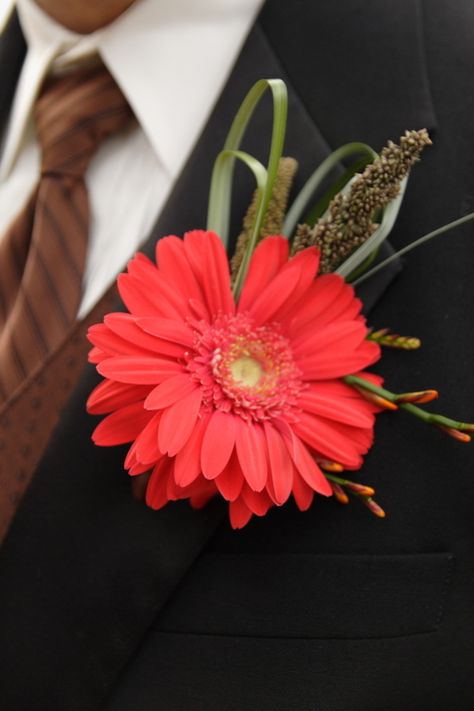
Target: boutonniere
x: 248, y: 380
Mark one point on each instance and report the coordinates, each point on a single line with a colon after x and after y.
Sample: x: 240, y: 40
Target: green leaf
x: 388, y: 220
x: 222, y: 176
x: 414, y: 245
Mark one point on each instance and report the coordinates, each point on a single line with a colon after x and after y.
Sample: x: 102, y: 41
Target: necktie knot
x: 74, y: 113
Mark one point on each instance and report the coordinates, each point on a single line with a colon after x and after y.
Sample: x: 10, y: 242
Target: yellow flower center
x: 246, y: 371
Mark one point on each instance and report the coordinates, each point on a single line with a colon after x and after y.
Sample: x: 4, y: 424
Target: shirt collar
x: 159, y: 53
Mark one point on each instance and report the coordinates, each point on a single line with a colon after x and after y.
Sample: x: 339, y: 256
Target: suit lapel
x: 85, y: 569
x: 12, y: 54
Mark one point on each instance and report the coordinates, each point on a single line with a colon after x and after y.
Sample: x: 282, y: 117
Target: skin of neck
x: 84, y: 16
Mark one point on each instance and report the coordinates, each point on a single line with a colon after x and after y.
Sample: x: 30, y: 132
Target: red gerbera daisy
x: 242, y: 399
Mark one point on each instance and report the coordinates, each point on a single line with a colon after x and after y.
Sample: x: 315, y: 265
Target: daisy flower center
x: 246, y: 369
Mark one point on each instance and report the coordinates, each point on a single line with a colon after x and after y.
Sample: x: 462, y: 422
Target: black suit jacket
x: 107, y: 605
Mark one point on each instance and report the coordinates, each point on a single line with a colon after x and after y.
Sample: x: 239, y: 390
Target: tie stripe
x: 42, y: 255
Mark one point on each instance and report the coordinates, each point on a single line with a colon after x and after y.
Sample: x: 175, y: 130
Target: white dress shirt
x: 171, y: 59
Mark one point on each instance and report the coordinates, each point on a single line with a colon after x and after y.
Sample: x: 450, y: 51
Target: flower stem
x: 431, y: 418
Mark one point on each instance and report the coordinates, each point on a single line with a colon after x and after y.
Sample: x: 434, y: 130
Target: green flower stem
x: 430, y: 418
x: 222, y: 175
x: 417, y: 243
x: 337, y: 479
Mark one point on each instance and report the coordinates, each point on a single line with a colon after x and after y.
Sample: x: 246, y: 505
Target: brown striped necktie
x: 42, y: 255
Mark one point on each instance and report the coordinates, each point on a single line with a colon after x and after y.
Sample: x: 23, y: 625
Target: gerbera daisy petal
x: 169, y: 391
x: 220, y: 431
x: 96, y: 355
x: 168, y: 329
x: 156, y: 491
x: 308, y: 262
x: 257, y: 501
x: 250, y: 446
x: 274, y: 295
x: 349, y: 334
x: 140, y: 370
x: 108, y: 396
x: 125, y: 325
x: 239, y: 513
x: 174, y: 265
x: 147, y: 451
x: 230, y: 481
x: 177, y: 423
x: 166, y: 298
x: 267, y: 260
x: 121, y: 426
x: 345, y: 410
x: 208, y: 260
x: 321, y: 365
x: 281, y: 467
x: 327, y: 439
x: 308, y: 468
x: 188, y: 463
x: 302, y: 493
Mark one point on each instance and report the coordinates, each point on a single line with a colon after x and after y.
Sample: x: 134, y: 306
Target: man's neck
x: 84, y: 16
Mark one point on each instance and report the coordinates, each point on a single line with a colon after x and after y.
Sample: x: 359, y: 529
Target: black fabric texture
x: 107, y: 605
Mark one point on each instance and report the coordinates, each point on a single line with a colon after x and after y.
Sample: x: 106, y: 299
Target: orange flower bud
x: 339, y: 493
x: 420, y: 398
x: 334, y: 467
x: 455, y: 434
x: 374, y: 507
x: 360, y: 489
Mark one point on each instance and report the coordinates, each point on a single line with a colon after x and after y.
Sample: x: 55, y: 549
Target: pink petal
x: 230, y: 481
x: 302, y: 493
x: 281, y: 467
x: 178, y: 422
x: 110, y: 342
x: 170, y: 391
x: 267, y: 260
x: 167, y: 329
x: 121, y: 426
x: 250, y: 445
x: 339, y: 337
x: 304, y: 462
x: 274, y: 295
x: 137, y: 369
x: 326, y: 438
x: 208, y: 259
x: 167, y: 298
x: 308, y: 263
x: 109, y: 396
x: 156, y: 491
x: 239, y: 513
x: 323, y: 292
x: 135, y: 296
x: 218, y: 443
x: 307, y: 466
x: 257, y: 502
x: 321, y: 366
x: 187, y: 464
x: 96, y: 355
x: 174, y: 265
x: 146, y: 444
x: 346, y: 410
x: 199, y: 500
x: 125, y: 325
